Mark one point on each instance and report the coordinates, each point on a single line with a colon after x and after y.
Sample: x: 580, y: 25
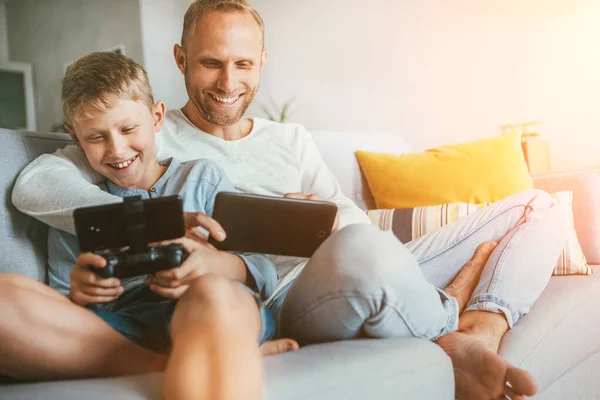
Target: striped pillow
x: 411, y: 223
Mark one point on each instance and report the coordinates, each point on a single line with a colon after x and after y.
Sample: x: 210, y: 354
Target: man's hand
x: 204, y: 259
x: 302, y: 196
x: 88, y: 287
x: 193, y: 220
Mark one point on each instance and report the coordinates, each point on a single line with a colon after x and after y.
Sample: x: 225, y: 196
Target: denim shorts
x: 144, y: 317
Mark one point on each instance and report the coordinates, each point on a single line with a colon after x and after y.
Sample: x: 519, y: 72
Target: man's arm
x: 53, y: 185
x: 318, y: 179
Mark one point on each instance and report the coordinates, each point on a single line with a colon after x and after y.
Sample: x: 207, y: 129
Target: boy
x: 110, y: 114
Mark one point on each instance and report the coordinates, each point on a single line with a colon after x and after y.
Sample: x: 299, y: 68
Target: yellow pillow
x: 482, y: 171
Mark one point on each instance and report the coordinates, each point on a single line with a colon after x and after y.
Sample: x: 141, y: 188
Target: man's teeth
x: 226, y: 100
x: 124, y: 164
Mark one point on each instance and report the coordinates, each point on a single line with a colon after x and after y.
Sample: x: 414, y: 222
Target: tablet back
x: 272, y: 225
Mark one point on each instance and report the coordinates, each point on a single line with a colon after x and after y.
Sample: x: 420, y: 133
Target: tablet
x: 272, y: 225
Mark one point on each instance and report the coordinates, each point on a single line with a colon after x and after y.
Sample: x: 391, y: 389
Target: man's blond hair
x: 200, y: 7
x: 96, y: 81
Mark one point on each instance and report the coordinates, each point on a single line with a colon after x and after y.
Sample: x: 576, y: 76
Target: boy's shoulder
x: 201, y: 169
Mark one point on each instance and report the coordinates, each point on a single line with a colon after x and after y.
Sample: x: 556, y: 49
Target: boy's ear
x: 72, y: 134
x: 179, y: 54
x: 158, y: 114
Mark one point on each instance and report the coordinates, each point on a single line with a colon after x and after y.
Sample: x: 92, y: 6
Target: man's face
x: 223, y: 59
x: 119, y: 142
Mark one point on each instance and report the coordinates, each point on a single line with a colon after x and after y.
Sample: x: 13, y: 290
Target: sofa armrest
x: 585, y: 185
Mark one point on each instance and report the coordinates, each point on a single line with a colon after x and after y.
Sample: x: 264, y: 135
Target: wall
x: 52, y: 33
x: 162, y: 22
x: 3, y: 33
x: 438, y: 72
x: 432, y: 71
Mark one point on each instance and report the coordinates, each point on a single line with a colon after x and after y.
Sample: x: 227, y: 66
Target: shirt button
x: 153, y: 189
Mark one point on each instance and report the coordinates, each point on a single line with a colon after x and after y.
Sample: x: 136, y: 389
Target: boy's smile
x: 119, y: 142
x: 124, y: 164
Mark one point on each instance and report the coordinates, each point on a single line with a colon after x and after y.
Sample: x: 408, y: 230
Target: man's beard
x: 216, y: 117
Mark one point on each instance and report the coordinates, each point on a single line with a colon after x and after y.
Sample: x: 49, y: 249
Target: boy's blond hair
x: 200, y: 7
x: 96, y: 81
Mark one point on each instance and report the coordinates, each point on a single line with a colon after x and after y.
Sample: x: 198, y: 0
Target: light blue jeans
x: 365, y: 282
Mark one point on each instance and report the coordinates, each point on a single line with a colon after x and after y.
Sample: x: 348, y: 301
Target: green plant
x: 275, y: 112
x: 59, y: 127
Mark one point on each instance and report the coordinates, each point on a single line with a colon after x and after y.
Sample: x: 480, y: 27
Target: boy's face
x: 119, y: 142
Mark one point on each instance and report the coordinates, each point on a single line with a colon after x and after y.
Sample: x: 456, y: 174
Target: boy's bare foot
x: 272, y: 347
x: 480, y: 373
x: 463, y: 286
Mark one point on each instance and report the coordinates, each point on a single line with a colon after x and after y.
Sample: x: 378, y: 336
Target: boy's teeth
x: 123, y: 164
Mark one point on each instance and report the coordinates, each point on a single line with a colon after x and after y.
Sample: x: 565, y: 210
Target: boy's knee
x: 217, y: 293
x: 215, y: 299
x: 208, y: 289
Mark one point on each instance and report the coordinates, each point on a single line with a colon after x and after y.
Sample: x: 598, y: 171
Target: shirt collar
x: 173, y: 165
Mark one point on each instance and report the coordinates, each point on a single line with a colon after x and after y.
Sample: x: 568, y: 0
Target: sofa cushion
x: 585, y: 185
x: 480, y: 171
x: 558, y: 342
x: 360, y: 369
x: 22, y: 239
x: 337, y: 150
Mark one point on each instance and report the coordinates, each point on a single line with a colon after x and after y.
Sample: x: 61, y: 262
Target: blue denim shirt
x: 197, y: 183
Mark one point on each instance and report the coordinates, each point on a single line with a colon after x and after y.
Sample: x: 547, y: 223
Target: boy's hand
x: 188, y: 243
x: 205, y: 259
x: 88, y: 287
x: 278, y: 346
x: 193, y: 220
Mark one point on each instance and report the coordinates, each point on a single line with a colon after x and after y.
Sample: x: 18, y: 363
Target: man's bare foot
x: 480, y: 373
x: 272, y: 347
x: 463, y: 286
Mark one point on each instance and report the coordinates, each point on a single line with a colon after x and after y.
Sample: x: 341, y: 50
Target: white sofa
x: 557, y: 342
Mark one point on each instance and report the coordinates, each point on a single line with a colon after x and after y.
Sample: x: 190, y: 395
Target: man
x: 361, y: 280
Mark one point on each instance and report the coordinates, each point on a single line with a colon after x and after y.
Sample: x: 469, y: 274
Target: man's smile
x: 226, y: 100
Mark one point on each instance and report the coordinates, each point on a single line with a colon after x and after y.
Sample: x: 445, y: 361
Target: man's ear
x: 179, y: 54
x: 263, y: 59
x: 72, y: 134
x: 158, y: 114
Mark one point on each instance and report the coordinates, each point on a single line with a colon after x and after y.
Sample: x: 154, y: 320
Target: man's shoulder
x: 173, y: 115
x: 280, y: 129
x: 263, y: 123
x: 173, y: 121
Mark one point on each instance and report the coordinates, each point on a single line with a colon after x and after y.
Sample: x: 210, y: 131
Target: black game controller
x: 126, y: 264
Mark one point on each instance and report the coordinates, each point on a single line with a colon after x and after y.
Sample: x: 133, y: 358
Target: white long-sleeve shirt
x: 273, y: 159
